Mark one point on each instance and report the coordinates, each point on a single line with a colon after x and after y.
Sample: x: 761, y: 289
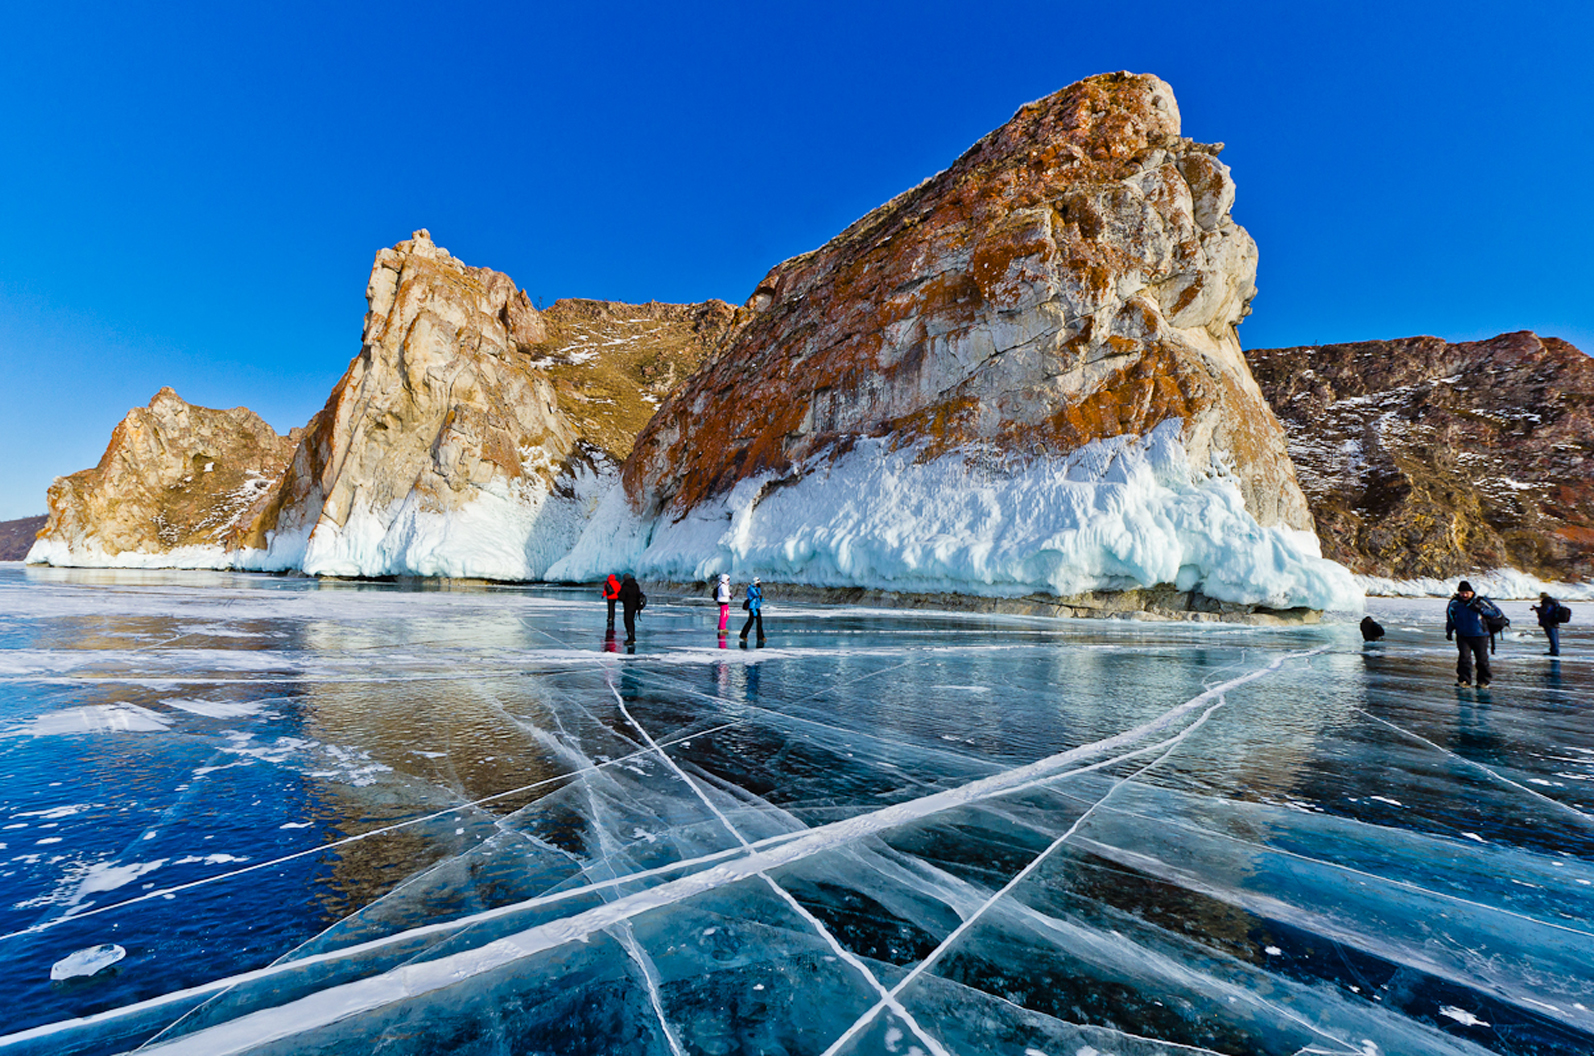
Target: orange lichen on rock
x: 1074, y: 275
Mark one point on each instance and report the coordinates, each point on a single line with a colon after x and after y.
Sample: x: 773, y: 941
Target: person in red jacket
x: 611, y: 594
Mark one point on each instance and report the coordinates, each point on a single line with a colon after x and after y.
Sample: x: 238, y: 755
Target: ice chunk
x: 97, y: 718
x: 90, y: 961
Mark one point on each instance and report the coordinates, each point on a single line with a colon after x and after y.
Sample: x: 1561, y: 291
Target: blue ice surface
x: 326, y: 816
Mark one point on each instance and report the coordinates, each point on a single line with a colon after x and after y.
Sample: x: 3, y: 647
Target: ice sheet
x: 416, y: 820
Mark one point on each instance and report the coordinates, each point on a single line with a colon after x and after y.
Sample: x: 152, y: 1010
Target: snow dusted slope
x: 1115, y: 514
x: 1425, y: 460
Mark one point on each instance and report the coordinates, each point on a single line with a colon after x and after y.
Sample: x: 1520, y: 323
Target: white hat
x: 757, y: 580
x: 725, y: 575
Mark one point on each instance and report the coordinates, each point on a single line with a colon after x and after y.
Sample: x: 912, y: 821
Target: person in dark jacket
x: 755, y: 609
x: 1547, y: 609
x: 631, y: 603
x: 1372, y: 630
x: 611, y: 594
x: 1465, y: 626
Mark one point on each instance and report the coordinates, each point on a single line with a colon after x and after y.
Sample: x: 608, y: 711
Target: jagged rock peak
x: 487, y: 300
x: 175, y: 478
x: 1022, y: 374
x: 1075, y: 275
x: 1426, y: 459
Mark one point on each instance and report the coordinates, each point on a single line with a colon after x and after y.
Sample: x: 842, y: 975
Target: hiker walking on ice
x: 722, y: 594
x: 755, y: 610
x: 611, y: 594
x: 1550, y: 618
x: 632, y: 601
x: 1465, y: 625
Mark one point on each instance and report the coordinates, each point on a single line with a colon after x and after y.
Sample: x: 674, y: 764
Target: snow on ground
x: 1115, y: 514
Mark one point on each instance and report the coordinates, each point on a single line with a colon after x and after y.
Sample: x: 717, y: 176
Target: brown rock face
x: 1075, y: 275
x: 174, y: 476
x: 1426, y: 459
x: 470, y: 437
x: 455, y: 443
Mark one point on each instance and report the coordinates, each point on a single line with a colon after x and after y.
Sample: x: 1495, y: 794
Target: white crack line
x: 410, y: 980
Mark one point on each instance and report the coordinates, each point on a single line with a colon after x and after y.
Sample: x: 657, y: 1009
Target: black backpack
x: 641, y: 601
x: 1562, y: 613
x: 1493, y: 619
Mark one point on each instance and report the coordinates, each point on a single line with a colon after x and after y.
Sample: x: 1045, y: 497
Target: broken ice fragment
x: 91, y: 961
x: 1462, y: 1016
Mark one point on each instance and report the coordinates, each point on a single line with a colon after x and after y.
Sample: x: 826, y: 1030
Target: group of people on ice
x: 1472, y: 621
x: 753, y: 603
x: 627, y: 593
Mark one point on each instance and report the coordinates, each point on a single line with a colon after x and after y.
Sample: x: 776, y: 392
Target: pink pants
x: 725, y: 616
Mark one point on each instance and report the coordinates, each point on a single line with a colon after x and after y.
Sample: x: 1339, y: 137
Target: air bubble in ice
x: 91, y: 961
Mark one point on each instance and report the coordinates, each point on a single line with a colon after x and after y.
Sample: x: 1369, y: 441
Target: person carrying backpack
x: 1465, y: 625
x: 755, y: 609
x: 611, y: 594
x: 1551, y: 615
x: 632, y: 601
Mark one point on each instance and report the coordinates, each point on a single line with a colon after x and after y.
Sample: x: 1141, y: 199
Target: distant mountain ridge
x: 16, y: 536
x: 1425, y: 459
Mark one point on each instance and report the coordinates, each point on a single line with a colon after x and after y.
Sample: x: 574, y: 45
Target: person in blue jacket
x: 1465, y: 626
x: 755, y: 609
x: 1546, y: 610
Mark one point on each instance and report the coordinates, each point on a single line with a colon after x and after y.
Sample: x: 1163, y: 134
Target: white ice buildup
x: 90, y: 961
x: 1115, y: 514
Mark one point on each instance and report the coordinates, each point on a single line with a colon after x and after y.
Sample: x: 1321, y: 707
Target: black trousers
x: 755, y: 616
x: 1467, y: 647
x: 611, y: 602
x: 630, y: 624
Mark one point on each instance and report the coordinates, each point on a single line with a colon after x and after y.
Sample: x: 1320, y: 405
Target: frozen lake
x: 302, y: 816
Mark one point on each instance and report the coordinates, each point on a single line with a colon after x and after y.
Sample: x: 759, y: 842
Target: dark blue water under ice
x: 325, y: 817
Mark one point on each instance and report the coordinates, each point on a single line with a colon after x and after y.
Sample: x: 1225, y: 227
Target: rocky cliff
x: 1022, y: 374
x: 177, y: 485
x: 470, y: 437
x: 1423, y: 459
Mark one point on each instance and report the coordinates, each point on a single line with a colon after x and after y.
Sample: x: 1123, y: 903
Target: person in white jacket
x: 722, y: 594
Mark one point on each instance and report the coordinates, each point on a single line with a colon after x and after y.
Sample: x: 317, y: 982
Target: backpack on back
x: 1562, y: 613
x: 1493, y: 619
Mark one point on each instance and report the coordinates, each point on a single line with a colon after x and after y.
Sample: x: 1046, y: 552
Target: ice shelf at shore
x: 1116, y: 514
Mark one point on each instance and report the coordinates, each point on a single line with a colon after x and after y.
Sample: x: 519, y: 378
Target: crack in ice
x: 341, y: 1001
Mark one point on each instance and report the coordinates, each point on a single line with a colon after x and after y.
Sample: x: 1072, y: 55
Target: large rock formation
x: 177, y: 485
x: 470, y: 437
x: 1022, y: 374
x: 1422, y: 459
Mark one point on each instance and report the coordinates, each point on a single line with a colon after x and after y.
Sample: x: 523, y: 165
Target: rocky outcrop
x: 1075, y: 275
x: 1066, y: 289
x: 1423, y: 459
x: 177, y: 484
x: 473, y: 434
x: 470, y: 437
x: 17, y: 537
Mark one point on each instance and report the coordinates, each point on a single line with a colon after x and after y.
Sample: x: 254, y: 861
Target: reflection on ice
x: 333, y: 817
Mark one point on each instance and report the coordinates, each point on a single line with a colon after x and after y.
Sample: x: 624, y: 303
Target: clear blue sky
x: 191, y: 194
